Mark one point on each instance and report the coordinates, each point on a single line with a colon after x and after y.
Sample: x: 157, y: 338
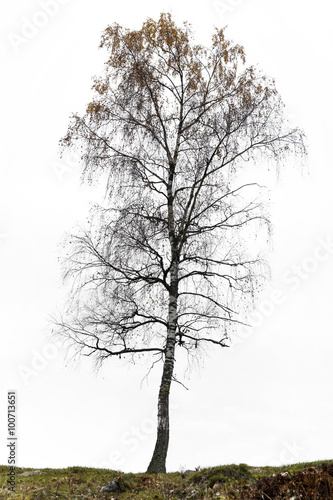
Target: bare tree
x: 163, y: 264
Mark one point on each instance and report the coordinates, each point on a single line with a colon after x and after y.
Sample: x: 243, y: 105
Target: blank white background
x: 266, y: 400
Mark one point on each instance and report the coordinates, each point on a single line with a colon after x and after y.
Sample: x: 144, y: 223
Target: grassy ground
x: 300, y: 481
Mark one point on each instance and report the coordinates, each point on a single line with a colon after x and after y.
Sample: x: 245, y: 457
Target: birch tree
x: 162, y: 264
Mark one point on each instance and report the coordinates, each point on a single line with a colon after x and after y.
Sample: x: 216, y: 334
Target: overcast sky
x: 267, y: 400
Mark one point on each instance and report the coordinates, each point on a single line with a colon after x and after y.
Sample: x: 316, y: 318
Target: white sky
x: 267, y: 400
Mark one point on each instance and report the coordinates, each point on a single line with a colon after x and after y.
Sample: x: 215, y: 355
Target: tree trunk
x: 157, y: 463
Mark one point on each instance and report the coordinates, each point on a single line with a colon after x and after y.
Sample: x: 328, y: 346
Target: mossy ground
x: 305, y: 480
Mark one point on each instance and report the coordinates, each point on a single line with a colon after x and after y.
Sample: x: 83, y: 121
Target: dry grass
x: 309, y: 481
